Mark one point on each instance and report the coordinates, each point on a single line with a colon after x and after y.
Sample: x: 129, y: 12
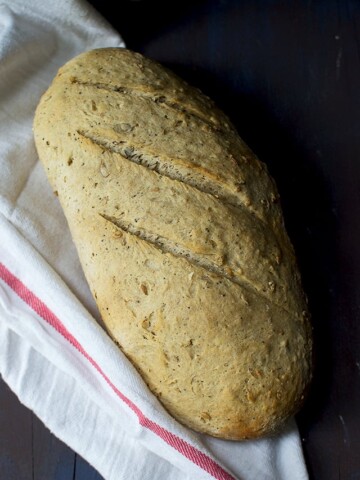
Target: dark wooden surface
x: 28, y: 451
x: 288, y: 75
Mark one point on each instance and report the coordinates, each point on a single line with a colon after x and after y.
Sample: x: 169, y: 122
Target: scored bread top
x: 180, y: 234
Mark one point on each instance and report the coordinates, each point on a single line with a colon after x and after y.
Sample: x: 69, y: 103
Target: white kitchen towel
x: 53, y: 352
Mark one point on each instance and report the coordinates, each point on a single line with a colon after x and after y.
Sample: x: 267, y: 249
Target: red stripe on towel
x: 190, y: 452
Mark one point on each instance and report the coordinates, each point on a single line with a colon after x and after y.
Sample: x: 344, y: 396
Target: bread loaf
x: 180, y: 234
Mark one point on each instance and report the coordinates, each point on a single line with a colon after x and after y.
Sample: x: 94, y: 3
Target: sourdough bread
x: 181, y: 237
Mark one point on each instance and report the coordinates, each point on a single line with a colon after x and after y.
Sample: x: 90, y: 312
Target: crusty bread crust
x: 180, y: 234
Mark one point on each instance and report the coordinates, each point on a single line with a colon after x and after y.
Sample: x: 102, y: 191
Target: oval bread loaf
x: 181, y: 237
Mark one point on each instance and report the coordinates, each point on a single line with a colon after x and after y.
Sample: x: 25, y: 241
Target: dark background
x: 288, y: 75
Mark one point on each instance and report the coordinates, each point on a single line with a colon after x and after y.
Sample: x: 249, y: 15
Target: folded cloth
x: 54, y: 354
